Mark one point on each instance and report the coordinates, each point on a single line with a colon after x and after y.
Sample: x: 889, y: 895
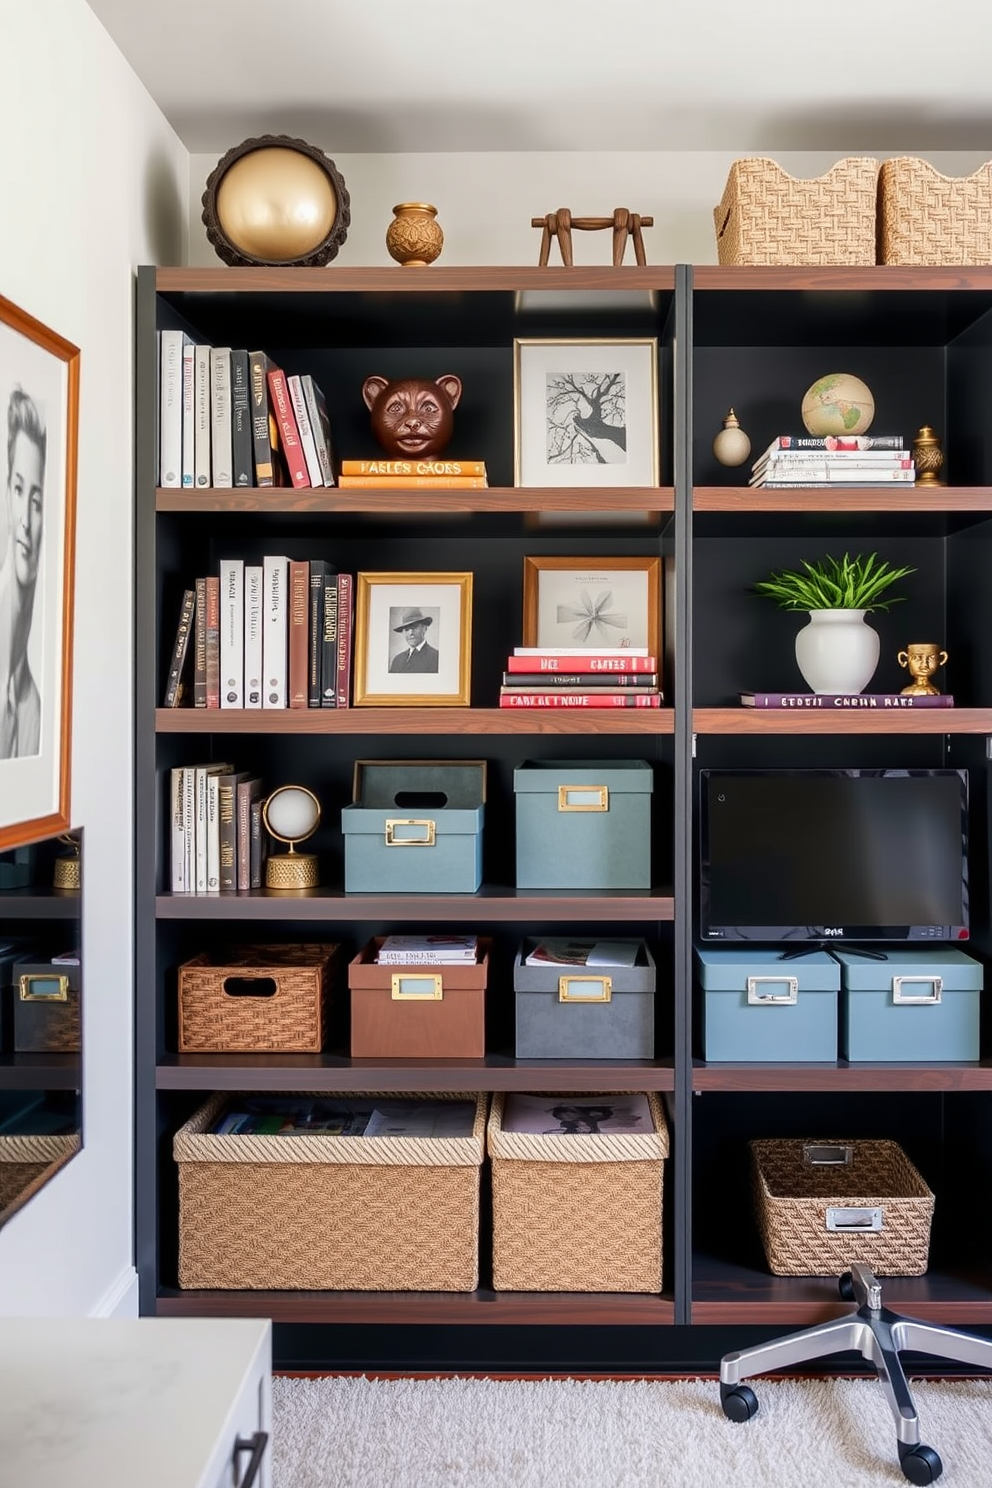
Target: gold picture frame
x: 413, y: 640
x: 595, y: 603
x: 39, y: 390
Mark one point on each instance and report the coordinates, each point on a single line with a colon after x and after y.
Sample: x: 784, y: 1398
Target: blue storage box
x: 915, y: 1005
x: 757, y: 1008
x: 415, y: 827
x: 583, y: 824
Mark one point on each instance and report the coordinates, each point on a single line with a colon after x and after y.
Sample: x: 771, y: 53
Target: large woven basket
x: 329, y: 1213
x: 802, y: 1190
x: 928, y: 218
x: 219, y: 1015
x: 577, y: 1213
x: 767, y: 216
x: 27, y: 1162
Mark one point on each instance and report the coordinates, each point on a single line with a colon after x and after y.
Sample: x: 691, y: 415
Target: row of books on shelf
x: 544, y: 677
x: 275, y: 634
x: 217, y: 839
x: 834, y: 460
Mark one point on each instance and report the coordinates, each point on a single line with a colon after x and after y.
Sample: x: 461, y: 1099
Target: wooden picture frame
x: 585, y: 412
x: 593, y: 604
x: 39, y: 388
x: 413, y: 640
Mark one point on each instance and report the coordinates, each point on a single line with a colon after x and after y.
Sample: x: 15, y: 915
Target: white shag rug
x: 482, y: 1433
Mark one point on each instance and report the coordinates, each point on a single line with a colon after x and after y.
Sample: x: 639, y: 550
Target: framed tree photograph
x: 413, y: 639
x: 39, y: 389
x: 593, y: 604
x: 586, y: 412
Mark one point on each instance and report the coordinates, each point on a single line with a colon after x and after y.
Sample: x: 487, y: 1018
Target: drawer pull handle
x: 587, y: 798
x: 40, y: 986
x: 854, y: 1220
x: 603, y: 983
x: 827, y: 1155
x: 256, y: 1445
x: 925, y: 999
x: 757, y: 998
x: 396, y: 825
x: 405, y: 988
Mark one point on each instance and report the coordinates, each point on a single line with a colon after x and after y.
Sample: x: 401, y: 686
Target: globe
x: 838, y: 404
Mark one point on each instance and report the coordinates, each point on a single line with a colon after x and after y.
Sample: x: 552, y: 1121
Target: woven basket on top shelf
x: 804, y: 1188
x: 928, y: 218
x: 767, y: 216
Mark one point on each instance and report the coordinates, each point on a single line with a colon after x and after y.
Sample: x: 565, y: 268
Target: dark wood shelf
x: 884, y: 277
x: 442, y: 280
x: 414, y: 720
x: 397, y: 500
x: 929, y: 500
x: 336, y: 1072
x: 741, y: 720
x: 492, y: 902
x: 38, y: 904
x: 611, y: 1309
x: 40, y: 1071
x: 841, y: 1076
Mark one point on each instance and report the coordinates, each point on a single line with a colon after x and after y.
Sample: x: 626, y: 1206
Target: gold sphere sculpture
x: 276, y: 200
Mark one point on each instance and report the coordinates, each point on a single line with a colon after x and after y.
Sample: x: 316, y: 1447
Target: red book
x: 580, y: 700
x: 289, y: 435
x: 212, y: 641
x: 590, y: 663
x: 299, y: 649
x: 344, y: 641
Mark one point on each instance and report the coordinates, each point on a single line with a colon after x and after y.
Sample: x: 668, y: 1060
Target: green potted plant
x: 837, y: 652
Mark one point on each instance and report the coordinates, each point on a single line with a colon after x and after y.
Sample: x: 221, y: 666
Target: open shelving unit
x: 751, y: 338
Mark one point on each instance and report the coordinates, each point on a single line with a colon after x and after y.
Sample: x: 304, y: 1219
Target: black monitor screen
x: 833, y: 854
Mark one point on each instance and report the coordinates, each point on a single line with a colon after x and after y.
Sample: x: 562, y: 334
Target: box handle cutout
x: 757, y: 998
x: 583, y: 798
x: 925, y: 999
x: 405, y: 988
x: 38, y: 986
x: 827, y: 1155
x: 586, y: 986
x: 242, y: 986
x: 415, y: 800
x: 850, y: 1220
x: 410, y: 831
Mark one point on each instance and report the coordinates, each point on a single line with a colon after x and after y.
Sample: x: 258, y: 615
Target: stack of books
x: 835, y: 460
x: 217, y: 844
x: 539, y: 677
x: 414, y: 475
x: 428, y: 950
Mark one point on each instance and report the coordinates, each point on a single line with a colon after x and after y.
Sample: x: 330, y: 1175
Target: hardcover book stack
x: 539, y: 677
x: 834, y: 460
x: 414, y: 475
x: 217, y: 843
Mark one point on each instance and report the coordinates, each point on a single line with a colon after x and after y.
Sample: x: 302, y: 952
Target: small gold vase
x: 414, y: 237
x: 928, y: 457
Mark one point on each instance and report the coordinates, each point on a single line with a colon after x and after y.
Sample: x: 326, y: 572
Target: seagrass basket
x: 823, y: 1205
x: 767, y: 216
x: 325, y: 1212
x: 925, y: 217
x: 26, y: 1162
x: 261, y: 998
x: 577, y: 1213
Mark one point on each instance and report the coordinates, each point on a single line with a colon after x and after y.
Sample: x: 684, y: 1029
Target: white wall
x: 93, y: 183
x: 485, y: 201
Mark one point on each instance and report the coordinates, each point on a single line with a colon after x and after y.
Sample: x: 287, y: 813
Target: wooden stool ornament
x: 561, y: 223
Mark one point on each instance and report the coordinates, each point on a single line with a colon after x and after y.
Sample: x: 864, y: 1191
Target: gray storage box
x: 914, y: 1005
x: 583, y: 824
x: 584, y: 1012
x: 757, y: 1008
x: 415, y: 827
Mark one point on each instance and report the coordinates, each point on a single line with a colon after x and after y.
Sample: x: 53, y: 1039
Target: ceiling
x: 580, y: 75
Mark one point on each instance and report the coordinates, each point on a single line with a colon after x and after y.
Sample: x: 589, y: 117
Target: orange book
x: 413, y: 467
x: 414, y: 482
x: 299, y: 651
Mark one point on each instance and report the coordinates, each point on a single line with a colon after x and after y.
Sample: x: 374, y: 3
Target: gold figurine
x: 922, y: 658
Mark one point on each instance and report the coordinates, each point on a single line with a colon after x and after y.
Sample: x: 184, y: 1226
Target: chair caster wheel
x: 920, y: 1464
x: 740, y: 1403
x: 846, y: 1287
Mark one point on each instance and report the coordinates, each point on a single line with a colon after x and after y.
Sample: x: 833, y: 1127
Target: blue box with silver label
x: 757, y: 1008
x: 415, y: 827
x: 914, y: 1005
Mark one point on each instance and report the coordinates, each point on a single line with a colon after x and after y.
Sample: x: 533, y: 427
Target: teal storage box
x: 915, y: 1005
x: 756, y: 1008
x: 415, y: 827
x: 583, y: 824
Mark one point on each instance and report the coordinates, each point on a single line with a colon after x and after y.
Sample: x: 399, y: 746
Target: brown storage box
x: 577, y: 1213
x: 417, y: 1012
x: 822, y: 1205
x: 329, y: 1213
x: 46, y: 1008
x: 767, y: 216
x: 260, y: 998
x: 928, y: 218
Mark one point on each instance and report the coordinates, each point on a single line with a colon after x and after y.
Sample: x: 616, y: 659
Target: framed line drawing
x: 413, y: 639
x: 585, y: 413
x: 593, y: 604
x: 39, y: 391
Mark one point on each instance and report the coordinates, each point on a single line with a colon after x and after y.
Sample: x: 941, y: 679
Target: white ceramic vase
x: 837, y: 651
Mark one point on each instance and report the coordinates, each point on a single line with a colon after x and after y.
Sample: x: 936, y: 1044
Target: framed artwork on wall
x: 39, y: 392
x: 586, y: 412
x: 593, y: 604
x: 413, y: 639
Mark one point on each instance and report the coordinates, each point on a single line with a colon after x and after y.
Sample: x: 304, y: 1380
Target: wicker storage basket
x: 767, y: 216
x: 577, y: 1213
x: 927, y: 218
x: 265, y: 998
x: 26, y: 1163
x: 329, y: 1213
x: 822, y: 1205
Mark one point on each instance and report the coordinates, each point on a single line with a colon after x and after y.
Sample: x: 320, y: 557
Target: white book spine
x: 298, y: 399
x: 170, y: 427
x: 318, y: 426
x: 232, y: 633
x: 189, y: 828
x: 189, y: 425
x: 200, y: 831
x: 201, y: 416
x: 177, y: 822
x: 221, y: 454
x: 275, y: 633
x: 213, y: 834
x: 253, y: 634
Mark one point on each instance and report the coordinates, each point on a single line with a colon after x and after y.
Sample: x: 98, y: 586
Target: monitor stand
x: 831, y: 945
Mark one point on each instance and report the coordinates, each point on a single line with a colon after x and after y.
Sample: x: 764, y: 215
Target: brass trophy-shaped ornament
x: 921, y: 659
x: 291, y: 814
x: 67, y: 878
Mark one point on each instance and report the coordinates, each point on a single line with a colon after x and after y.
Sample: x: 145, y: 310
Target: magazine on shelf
x: 441, y: 950
x: 584, y: 953
x: 579, y: 1116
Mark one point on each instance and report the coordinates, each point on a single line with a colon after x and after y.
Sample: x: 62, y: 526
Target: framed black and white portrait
x: 413, y: 639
